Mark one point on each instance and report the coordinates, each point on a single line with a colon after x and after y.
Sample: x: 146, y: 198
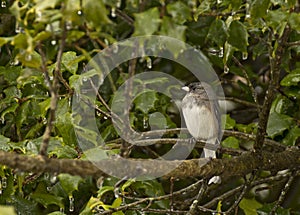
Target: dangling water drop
x: 221, y: 53
x: 3, y: 4
x: 145, y: 122
x: 113, y: 12
x: 79, y: 12
x: 4, y: 182
x: 68, y: 25
x: 244, y: 55
x: 71, y: 200
x: 226, y: 69
x: 18, y: 28
x: 118, y: 4
x: 53, y: 179
x: 149, y: 63
x: 53, y: 42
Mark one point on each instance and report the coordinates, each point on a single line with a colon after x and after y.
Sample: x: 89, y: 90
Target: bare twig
x: 54, y: 87
x: 254, y: 95
x: 283, y: 193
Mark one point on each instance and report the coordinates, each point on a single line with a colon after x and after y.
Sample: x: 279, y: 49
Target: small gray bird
x: 201, y: 112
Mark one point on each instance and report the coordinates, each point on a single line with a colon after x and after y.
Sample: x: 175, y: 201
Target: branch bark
x: 203, y: 168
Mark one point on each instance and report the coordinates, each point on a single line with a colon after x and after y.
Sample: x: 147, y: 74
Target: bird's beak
x: 185, y: 88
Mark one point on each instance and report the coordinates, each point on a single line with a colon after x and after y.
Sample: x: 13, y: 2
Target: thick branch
x: 226, y: 168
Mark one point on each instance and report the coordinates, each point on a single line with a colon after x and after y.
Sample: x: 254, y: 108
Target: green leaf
x: 218, y: 32
x: 146, y: 23
x: 68, y: 60
x: 231, y: 142
x: 259, y: 8
x: 238, y: 36
x: 278, y: 123
x: 294, y: 21
x: 291, y: 79
x: 69, y: 183
x: 145, y: 101
x: 4, y: 143
x: 95, y: 13
x: 64, y: 123
x: 230, y: 123
x: 292, y: 136
x: 42, y: 5
x: 169, y: 28
x: 47, y: 199
x: 276, y: 19
x: 250, y: 206
x: 205, y: 6
x: 105, y: 189
x: 179, y: 11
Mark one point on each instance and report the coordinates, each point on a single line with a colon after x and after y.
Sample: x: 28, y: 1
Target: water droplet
x: 53, y: 42
x: 4, y: 182
x: 3, y: 4
x: 113, y: 12
x: 244, y: 55
x: 145, y: 122
x: 33, y: 85
x: 18, y: 28
x: 221, y: 53
x: 68, y: 25
x: 226, y: 69
x: 79, y: 12
x: 118, y: 4
x: 115, y: 49
x: 149, y: 63
x: 53, y: 179
x: 71, y: 207
x: 28, y: 57
x: 105, y: 117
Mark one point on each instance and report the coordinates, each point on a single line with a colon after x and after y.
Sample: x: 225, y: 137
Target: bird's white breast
x: 199, y: 120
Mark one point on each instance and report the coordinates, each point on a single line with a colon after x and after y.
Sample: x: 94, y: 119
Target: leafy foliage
x: 240, y: 38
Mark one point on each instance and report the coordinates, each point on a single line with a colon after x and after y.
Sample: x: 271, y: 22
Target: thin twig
x: 193, y: 207
x: 253, y: 92
x: 283, y: 193
x: 53, y: 91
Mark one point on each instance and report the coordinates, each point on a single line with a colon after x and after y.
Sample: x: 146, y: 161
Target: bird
x: 201, y: 112
x: 202, y: 117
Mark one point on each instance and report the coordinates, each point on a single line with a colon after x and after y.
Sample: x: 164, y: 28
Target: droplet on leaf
x: 149, y: 63
x: 3, y: 4
x: 113, y: 12
x: 71, y: 207
x: 244, y: 55
x: 226, y: 69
